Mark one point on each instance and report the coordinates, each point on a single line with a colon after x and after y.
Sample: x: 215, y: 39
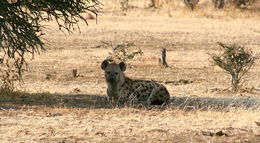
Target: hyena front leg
x: 112, y: 98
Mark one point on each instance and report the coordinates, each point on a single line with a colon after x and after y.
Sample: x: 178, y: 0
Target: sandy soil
x: 189, y: 37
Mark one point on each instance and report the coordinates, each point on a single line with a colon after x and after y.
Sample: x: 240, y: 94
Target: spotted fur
x: 122, y: 90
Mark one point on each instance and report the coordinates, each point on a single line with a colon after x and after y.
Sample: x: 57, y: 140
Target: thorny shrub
x: 243, y: 3
x: 191, y: 3
x: 235, y: 60
x: 218, y: 3
x: 122, y: 52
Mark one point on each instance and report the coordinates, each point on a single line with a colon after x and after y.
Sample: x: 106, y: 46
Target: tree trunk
x: 235, y: 82
x: 162, y: 60
x: 75, y: 73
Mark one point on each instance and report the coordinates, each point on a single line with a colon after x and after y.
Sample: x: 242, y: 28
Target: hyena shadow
x: 15, y: 100
x: 208, y: 103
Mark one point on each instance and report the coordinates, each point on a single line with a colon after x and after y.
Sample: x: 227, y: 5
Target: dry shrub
x: 191, y: 3
x: 243, y: 3
x: 219, y: 3
x: 124, y: 4
x: 122, y: 52
x: 235, y: 60
x: 155, y: 3
x: 160, y: 3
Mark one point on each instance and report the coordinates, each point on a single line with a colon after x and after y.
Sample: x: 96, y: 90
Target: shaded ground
x: 15, y: 100
x: 89, y: 118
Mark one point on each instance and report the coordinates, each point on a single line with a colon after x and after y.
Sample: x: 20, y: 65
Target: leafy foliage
x: 20, y: 26
x: 21, y: 30
x: 236, y: 60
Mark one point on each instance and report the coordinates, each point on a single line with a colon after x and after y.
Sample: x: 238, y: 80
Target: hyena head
x: 113, y: 72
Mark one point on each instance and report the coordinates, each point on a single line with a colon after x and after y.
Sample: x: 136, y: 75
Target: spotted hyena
x: 122, y: 90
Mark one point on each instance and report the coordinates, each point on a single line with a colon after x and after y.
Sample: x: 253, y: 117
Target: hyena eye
x: 108, y: 72
x: 116, y: 73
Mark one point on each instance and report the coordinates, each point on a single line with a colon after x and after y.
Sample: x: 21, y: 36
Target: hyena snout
x: 112, y: 77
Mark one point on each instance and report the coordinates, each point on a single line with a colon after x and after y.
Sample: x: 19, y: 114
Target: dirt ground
x: 188, y: 36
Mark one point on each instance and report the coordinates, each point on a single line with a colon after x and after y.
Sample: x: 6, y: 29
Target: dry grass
x: 56, y: 107
x: 44, y: 124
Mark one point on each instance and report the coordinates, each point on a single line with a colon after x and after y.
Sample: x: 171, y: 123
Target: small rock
x: 53, y: 114
x: 48, y: 76
x: 207, y: 133
x: 102, y: 134
x: 221, y: 133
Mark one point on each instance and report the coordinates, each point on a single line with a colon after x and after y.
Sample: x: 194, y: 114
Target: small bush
x: 219, y: 3
x: 243, y: 3
x: 124, y: 4
x: 235, y: 60
x: 154, y: 3
x: 191, y: 3
x: 122, y: 52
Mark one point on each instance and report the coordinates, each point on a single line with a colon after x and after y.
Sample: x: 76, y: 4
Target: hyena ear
x: 122, y: 66
x: 104, y: 64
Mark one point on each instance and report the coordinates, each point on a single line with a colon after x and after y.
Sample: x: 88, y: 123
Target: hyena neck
x: 126, y: 80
